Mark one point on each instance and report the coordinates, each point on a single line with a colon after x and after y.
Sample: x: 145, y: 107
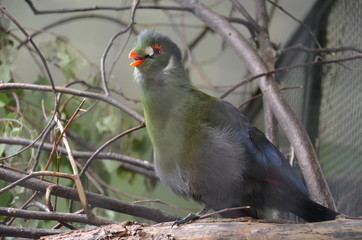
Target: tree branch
x: 101, y: 97
x: 137, y: 165
x: 95, y: 200
x: 27, y: 233
x: 54, y: 216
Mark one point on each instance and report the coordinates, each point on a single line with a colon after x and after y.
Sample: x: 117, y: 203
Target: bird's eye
x: 157, y: 49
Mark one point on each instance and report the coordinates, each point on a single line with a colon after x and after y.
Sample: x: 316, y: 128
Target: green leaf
x: 5, y: 72
x: 4, y: 100
x: 41, y: 80
x: 109, y: 123
x: 6, y: 197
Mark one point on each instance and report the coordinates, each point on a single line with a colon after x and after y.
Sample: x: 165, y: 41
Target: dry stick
x: 291, y: 125
x: 103, y: 58
x: 223, y: 210
x: 62, y: 133
x: 76, y: 178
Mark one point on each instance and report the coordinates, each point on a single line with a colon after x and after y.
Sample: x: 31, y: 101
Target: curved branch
x: 95, y: 200
x: 75, y: 92
x: 143, y: 167
x: 71, y: 19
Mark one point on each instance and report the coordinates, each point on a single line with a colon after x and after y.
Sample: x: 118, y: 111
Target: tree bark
x: 221, y: 229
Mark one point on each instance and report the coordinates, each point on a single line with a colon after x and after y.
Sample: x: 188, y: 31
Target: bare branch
x: 245, y: 13
x: 287, y: 68
x: 54, y: 216
x: 75, y: 92
x: 76, y: 177
x: 300, y: 47
x: 71, y: 19
x: 27, y: 232
x: 95, y: 200
x: 103, y: 58
x: 82, y: 154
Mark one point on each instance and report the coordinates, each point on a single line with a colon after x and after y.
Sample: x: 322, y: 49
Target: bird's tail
x: 311, y: 211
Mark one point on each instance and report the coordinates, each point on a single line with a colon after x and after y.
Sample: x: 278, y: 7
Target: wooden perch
x: 222, y: 229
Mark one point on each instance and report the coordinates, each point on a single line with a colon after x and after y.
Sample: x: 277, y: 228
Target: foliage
x: 26, y: 113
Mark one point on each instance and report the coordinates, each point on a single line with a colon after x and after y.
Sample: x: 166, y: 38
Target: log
x: 221, y: 229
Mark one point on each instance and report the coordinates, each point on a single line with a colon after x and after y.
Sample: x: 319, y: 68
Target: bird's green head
x: 153, y: 52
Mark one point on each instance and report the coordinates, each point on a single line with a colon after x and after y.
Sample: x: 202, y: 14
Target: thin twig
x: 245, y: 13
x: 223, y: 210
x: 90, y: 160
x: 76, y: 178
x: 300, y: 47
x: 70, y: 19
x: 286, y: 68
x: 298, y: 21
x: 103, y: 58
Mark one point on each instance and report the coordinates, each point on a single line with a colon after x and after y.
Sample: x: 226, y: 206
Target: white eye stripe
x: 149, y: 51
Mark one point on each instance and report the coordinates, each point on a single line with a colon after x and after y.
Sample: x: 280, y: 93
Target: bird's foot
x: 186, y: 219
x: 190, y: 217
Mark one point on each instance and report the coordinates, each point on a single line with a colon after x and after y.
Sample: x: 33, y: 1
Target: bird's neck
x: 166, y: 100
x: 167, y: 104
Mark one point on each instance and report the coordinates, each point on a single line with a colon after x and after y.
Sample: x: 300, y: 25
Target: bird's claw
x: 186, y: 219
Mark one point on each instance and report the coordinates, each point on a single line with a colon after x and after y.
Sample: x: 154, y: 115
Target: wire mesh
x: 330, y: 101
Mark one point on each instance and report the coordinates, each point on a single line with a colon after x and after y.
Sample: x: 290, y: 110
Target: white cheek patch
x: 149, y: 51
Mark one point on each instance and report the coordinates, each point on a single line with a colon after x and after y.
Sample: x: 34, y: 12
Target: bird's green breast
x: 176, y: 126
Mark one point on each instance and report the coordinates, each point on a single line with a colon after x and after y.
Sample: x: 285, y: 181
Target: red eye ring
x: 157, y: 49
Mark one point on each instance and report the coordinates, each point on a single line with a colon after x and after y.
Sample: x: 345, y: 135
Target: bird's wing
x: 269, y: 158
x: 267, y: 163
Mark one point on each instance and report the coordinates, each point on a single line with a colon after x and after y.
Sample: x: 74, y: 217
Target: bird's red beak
x: 139, y: 59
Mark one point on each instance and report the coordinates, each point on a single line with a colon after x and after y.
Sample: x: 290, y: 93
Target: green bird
x: 207, y: 150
